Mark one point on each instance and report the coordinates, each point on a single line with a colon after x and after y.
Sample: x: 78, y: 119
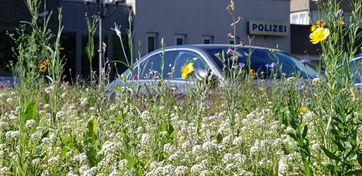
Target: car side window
x: 151, y: 68
x: 259, y: 60
x: 185, y: 57
x: 356, y: 70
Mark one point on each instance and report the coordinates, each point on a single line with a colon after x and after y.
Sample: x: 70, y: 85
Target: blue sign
x: 268, y: 28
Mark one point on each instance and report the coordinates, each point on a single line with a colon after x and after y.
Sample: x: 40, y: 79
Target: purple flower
x: 301, y: 89
x: 4, y: 84
x: 304, y: 61
x: 241, y: 65
x: 273, y: 64
x: 135, y: 76
x: 142, y: 109
x: 229, y: 51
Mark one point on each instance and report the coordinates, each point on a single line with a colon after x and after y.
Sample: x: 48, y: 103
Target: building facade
x: 75, y: 33
x: 208, y: 21
x: 264, y: 23
x: 306, y: 12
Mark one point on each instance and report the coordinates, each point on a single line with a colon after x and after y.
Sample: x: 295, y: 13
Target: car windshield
x: 263, y: 61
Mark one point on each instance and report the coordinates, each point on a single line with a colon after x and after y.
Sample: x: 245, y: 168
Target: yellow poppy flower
x: 187, y: 70
x: 46, y: 62
x: 340, y: 22
x: 319, y: 35
x: 320, y: 23
x: 42, y: 68
x: 303, y: 109
x: 313, y: 28
x: 252, y: 72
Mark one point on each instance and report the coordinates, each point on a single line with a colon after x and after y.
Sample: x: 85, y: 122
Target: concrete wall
x: 299, y: 5
x: 196, y: 18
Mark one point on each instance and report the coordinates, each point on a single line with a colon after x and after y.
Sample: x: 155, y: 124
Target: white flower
x: 169, y: 148
x: 141, y: 154
x: 9, y: 100
x: 60, y: 114
x: 197, y: 168
x: 228, y: 157
x: 90, y: 172
x: 250, y: 116
x: 123, y: 164
x: 291, y: 79
x: 186, y: 145
x: 30, y: 123
x: 81, y: 158
x: 168, y: 169
x: 46, y: 106
x: 2, y: 125
x: 4, y: 170
x: 181, y: 170
x: 52, y: 137
x: 174, y: 156
x: 239, y: 158
x: 230, y: 167
x: 289, y: 130
x: 237, y: 141
x: 49, y: 89
x: 146, y: 115
x: 196, y: 150
x: 226, y: 140
x: 83, y: 102
x: 54, y: 160
x: 282, y: 167
x: 12, y: 134
x: 204, y: 173
x: 35, y: 161
x: 209, y: 146
x: 145, y: 139
x: 316, y: 81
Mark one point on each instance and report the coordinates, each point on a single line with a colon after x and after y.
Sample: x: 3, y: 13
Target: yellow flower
x: 187, y: 70
x: 320, y: 23
x: 46, y: 62
x: 340, y: 22
x: 252, y: 72
x: 353, y: 92
x: 303, y: 109
x: 42, y: 68
x: 319, y: 35
x: 313, y: 28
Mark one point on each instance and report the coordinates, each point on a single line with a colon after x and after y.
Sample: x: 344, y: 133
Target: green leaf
x: 305, y: 131
x: 31, y: 111
x: 68, y: 145
x: 354, y: 172
x: 359, y: 158
x: 219, y: 138
x: 45, y: 134
x: 330, y: 154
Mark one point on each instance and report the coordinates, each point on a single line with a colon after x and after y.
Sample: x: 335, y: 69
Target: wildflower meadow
x: 306, y: 127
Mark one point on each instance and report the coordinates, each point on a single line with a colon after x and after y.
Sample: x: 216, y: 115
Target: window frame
x: 153, y: 35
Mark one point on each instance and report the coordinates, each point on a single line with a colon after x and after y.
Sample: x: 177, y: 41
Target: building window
x: 180, y: 39
x: 207, y: 39
x: 151, y: 41
x: 299, y: 18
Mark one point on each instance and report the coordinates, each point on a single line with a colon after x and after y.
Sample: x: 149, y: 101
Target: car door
x: 183, y: 58
x: 150, y: 71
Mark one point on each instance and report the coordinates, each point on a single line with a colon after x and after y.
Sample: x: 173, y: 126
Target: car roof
x: 214, y: 46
